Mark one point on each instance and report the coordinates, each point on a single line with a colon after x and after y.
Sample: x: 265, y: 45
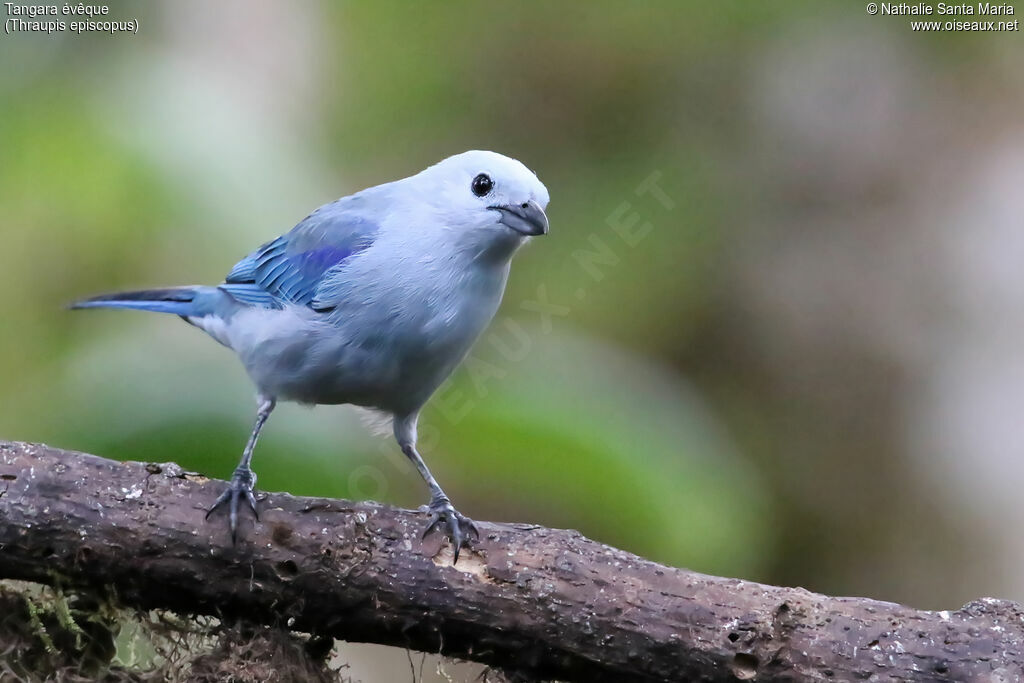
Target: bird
x: 371, y: 300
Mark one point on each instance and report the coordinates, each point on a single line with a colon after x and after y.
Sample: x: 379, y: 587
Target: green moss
x: 49, y: 634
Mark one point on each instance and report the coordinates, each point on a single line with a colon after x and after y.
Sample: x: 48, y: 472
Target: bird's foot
x: 456, y: 526
x: 243, y: 481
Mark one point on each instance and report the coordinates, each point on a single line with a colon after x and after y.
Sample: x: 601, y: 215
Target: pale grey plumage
x: 371, y: 300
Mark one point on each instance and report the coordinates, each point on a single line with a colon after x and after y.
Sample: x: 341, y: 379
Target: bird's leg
x: 243, y: 481
x: 458, y: 527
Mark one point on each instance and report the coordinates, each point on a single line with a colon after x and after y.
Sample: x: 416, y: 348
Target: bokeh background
x: 776, y: 332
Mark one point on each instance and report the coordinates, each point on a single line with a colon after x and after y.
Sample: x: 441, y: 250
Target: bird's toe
x: 241, y: 486
x: 455, y: 525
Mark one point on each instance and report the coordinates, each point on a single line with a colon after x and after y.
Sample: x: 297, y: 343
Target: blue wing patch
x: 290, y: 268
x: 251, y: 295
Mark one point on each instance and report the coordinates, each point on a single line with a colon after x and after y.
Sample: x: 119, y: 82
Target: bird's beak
x: 527, y: 218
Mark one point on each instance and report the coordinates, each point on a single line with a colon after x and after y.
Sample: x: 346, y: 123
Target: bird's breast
x: 425, y: 333
x: 387, y: 347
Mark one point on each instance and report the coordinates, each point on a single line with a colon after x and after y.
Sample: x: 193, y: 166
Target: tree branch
x: 543, y: 602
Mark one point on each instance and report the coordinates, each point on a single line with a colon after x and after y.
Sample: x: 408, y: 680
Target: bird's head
x: 484, y: 200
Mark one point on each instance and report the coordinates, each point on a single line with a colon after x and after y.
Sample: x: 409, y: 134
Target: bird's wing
x: 290, y: 268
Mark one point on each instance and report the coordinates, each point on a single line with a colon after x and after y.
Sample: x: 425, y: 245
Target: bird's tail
x: 176, y: 300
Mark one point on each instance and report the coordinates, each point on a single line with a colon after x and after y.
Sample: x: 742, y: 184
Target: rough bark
x: 543, y: 602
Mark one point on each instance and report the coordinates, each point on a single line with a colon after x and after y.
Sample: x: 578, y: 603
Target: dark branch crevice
x: 542, y: 602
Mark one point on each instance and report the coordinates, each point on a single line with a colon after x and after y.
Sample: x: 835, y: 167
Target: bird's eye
x: 482, y: 184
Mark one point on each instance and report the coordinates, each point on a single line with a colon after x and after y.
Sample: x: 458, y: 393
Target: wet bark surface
x: 544, y: 603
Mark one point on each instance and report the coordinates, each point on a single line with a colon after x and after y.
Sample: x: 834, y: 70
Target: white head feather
x: 444, y: 203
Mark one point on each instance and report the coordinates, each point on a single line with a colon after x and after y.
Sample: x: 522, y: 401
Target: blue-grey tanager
x: 370, y: 300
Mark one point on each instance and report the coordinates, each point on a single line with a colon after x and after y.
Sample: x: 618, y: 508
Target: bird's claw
x: 457, y: 526
x: 243, y: 481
